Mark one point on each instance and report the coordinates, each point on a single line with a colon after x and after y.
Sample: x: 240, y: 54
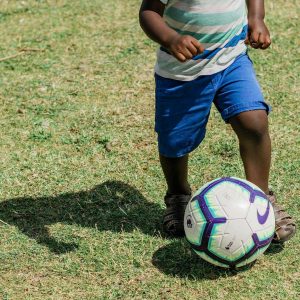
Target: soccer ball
x: 229, y: 222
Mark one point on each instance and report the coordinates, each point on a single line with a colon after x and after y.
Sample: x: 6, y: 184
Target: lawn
x: 81, y: 189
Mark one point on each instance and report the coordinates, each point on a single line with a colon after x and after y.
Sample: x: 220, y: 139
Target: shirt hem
x: 203, y: 72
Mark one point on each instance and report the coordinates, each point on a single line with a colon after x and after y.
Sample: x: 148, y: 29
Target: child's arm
x: 183, y: 47
x: 258, y: 33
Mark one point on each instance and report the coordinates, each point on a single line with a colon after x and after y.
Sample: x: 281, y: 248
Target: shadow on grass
x: 274, y: 249
x: 178, y: 260
x: 113, y: 206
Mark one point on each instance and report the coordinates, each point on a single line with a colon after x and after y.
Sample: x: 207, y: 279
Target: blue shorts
x: 182, y: 107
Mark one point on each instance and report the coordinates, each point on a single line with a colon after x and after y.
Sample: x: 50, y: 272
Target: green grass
x: 81, y: 186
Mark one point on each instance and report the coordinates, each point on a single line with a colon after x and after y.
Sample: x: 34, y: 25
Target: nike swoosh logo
x: 262, y: 219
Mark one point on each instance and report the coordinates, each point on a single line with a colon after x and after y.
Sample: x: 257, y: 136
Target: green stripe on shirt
x: 204, y: 19
x: 218, y: 37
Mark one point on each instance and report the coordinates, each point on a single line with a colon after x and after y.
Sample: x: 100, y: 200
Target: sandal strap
x: 174, y: 213
x: 177, y: 200
x: 285, y: 226
x: 176, y: 205
x: 280, y: 214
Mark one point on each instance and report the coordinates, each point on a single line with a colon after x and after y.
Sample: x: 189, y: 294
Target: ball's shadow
x: 177, y: 259
x: 274, y: 249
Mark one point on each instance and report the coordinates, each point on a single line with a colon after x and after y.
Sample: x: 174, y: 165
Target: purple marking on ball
x: 262, y: 243
x: 262, y: 219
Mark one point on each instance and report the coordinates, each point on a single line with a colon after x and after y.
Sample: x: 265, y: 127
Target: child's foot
x: 285, y: 226
x: 174, y: 214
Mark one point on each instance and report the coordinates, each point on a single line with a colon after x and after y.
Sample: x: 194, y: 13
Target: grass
x: 81, y: 186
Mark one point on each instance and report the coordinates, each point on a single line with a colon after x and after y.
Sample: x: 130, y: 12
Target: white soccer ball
x: 229, y: 222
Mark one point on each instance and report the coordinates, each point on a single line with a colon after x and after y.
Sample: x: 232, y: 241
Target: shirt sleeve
x: 164, y: 1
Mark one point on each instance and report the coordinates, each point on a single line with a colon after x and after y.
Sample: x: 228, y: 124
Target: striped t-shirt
x: 219, y: 25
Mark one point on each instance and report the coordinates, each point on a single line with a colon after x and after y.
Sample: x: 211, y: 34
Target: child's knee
x: 251, y: 126
x: 256, y: 132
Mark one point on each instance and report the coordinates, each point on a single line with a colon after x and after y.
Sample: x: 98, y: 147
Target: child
x: 202, y: 60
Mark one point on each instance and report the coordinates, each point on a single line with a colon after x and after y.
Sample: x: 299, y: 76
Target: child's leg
x: 251, y: 128
x: 241, y: 103
x: 176, y: 172
x: 178, y: 194
x: 181, y: 113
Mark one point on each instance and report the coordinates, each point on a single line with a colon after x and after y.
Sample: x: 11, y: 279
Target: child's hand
x: 258, y: 35
x: 184, y: 47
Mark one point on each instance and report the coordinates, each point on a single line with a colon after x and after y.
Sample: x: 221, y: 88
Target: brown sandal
x: 174, y: 214
x: 285, y: 226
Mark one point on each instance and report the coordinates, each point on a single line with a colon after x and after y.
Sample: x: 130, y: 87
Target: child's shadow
x: 113, y: 206
x: 178, y: 260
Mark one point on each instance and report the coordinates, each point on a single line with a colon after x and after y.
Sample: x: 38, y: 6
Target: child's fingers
x: 180, y: 56
x: 261, y: 40
x: 254, y: 40
x: 266, y: 43
x: 254, y: 36
x: 187, y: 53
x: 192, y: 49
x: 197, y: 45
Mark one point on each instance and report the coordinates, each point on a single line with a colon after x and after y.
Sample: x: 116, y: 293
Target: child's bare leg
x: 251, y: 128
x: 176, y: 172
x: 178, y: 194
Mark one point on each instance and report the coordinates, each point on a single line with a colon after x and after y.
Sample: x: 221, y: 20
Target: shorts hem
x: 184, y: 151
x: 239, y: 108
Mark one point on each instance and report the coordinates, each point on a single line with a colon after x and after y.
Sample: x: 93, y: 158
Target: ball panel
x: 215, y: 248
x: 248, y: 245
x: 194, y: 223
x: 214, y: 206
x: 239, y: 253
x: 195, y: 209
x: 229, y: 245
x: 232, y: 198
